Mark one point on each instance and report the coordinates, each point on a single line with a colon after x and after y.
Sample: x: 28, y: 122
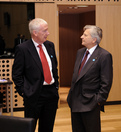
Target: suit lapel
x: 34, y: 54
x: 49, y: 50
x: 79, y: 57
x: 92, y: 60
x: 78, y: 62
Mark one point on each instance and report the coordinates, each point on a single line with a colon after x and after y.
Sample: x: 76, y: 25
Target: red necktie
x: 45, y: 66
x: 84, y: 60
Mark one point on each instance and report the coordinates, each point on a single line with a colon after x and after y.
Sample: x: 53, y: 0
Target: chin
x: 83, y: 44
x: 45, y: 40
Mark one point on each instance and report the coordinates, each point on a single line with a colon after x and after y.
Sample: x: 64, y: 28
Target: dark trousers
x: 86, y: 121
x: 45, y: 110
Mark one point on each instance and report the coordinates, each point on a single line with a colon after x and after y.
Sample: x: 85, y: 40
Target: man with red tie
x: 35, y: 75
x: 91, y: 82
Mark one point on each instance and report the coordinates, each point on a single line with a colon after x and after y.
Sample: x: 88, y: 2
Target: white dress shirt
x: 48, y: 60
x: 90, y: 53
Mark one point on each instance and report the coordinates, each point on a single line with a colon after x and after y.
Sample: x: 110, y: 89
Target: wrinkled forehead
x: 87, y: 32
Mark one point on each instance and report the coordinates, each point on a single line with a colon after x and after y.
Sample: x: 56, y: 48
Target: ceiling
x: 74, y: 9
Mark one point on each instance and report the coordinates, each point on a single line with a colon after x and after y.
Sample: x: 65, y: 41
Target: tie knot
x: 40, y: 46
x: 87, y: 52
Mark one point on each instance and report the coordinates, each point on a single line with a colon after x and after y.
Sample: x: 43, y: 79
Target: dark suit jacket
x: 93, y: 84
x: 27, y: 72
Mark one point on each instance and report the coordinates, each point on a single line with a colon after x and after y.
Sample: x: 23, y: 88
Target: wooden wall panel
x: 70, y: 30
x: 85, y: 2
x: 109, y: 19
x: 49, y: 12
x: 69, y: 39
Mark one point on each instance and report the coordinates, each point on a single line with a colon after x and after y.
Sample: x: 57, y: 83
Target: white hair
x: 35, y: 24
x: 95, y: 32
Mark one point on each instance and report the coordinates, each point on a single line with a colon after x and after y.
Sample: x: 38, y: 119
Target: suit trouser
x: 86, y: 121
x: 45, y: 110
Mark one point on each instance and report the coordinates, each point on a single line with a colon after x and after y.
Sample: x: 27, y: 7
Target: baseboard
x: 112, y: 102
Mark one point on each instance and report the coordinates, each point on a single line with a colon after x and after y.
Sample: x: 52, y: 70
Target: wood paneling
x: 70, y: 30
x: 109, y: 19
x: 69, y: 42
x: 91, y: 2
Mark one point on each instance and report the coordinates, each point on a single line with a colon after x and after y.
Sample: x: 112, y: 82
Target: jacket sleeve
x: 55, y: 69
x: 17, y: 70
x: 106, y: 76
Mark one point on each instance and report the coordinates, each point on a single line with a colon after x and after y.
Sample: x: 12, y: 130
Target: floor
x: 110, y: 120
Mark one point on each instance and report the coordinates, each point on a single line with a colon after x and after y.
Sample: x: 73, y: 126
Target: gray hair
x: 35, y: 24
x: 95, y: 32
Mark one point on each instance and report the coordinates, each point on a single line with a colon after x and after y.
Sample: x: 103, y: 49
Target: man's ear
x: 94, y: 40
x: 34, y: 33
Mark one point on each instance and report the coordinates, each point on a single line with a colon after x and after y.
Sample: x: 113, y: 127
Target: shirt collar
x: 92, y: 49
x: 35, y: 43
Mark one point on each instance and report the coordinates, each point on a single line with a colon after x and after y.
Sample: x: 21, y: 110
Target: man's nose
x: 81, y: 36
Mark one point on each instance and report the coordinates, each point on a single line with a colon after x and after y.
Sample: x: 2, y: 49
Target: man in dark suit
x: 40, y: 95
x: 90, y: 85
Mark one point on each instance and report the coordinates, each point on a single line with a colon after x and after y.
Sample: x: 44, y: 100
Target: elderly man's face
x: 43, y: 33
x: 87, y: 40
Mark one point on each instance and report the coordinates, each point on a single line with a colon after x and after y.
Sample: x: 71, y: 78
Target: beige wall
x: 109, y: 19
